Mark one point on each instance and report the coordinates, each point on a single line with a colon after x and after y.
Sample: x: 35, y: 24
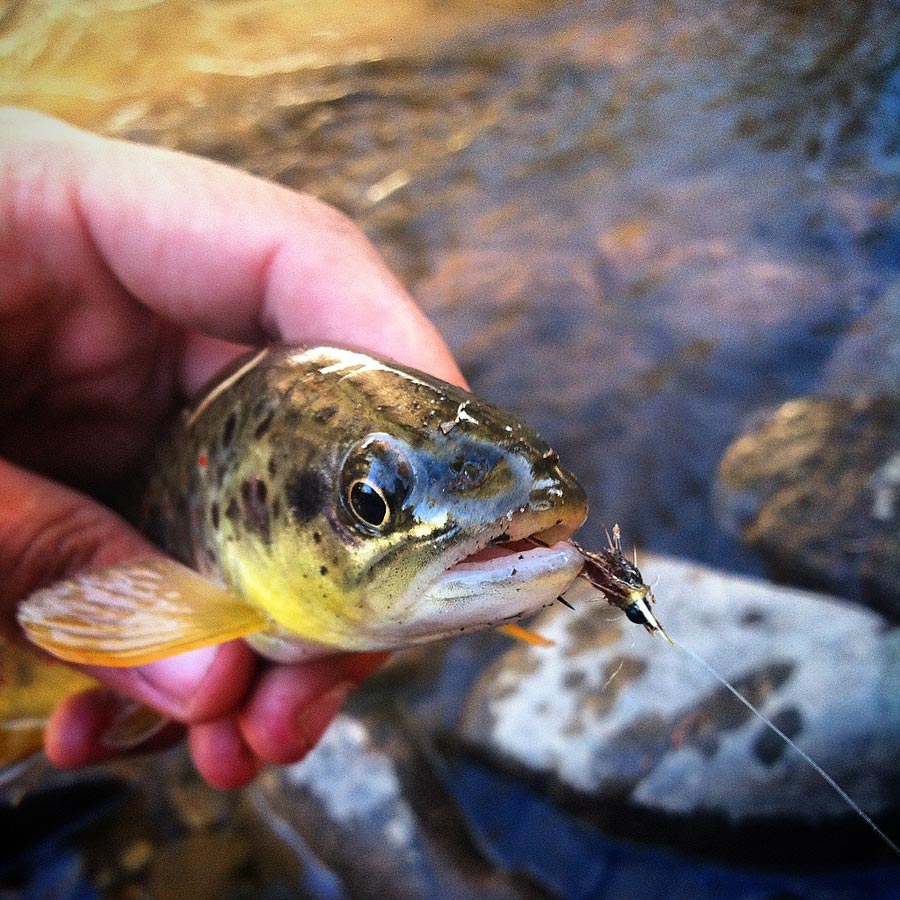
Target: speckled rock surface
x: 635, y: 735
x: 815, y: 487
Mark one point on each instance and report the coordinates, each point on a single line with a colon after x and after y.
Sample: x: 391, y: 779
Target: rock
x: 867, y: 362
x: 368, y: 805
x: 814, y: 487
x: 637, y: 737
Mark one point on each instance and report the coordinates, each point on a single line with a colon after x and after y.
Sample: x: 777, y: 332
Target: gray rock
x: 639, y: 737
x: 367, y: 805
x: 814, y: 487
x: 867, y: 362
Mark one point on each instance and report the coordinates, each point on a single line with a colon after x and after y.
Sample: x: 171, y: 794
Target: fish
x: 320, y: 499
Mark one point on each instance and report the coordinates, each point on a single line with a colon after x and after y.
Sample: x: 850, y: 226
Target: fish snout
x: 557, y: 497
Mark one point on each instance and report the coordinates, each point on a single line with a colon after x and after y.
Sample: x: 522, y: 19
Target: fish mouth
x: 495, y: 579
x: 519, y: 562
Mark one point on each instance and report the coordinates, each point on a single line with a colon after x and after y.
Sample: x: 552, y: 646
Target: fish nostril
x: 468, y: 474
x: 551, y: 459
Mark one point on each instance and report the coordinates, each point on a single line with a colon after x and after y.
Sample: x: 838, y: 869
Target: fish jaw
x: 474, y: 594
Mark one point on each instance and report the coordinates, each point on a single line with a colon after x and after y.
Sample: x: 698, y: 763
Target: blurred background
x: 667, y: 234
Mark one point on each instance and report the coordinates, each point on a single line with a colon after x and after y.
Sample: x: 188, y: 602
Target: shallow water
x: 636, y: 223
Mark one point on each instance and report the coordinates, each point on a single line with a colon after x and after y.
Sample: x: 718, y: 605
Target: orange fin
x: 133, y: 614
x: 529, y: 637
x: 31, y: 685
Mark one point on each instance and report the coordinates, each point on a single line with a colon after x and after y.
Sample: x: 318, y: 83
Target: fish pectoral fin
x: 526, y: 636
x: 135, y: 613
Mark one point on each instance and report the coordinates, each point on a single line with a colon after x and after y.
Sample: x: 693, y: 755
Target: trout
x: 316, y: 500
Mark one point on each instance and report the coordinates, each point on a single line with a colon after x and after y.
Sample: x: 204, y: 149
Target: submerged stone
x: 370, y: 807
x: 815, y: 488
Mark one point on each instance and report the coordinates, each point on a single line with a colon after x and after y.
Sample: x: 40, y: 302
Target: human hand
x: 128, y: 276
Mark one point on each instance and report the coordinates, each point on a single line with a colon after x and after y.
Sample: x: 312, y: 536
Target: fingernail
x: 133, y: 724
x: 179, y: 677
x: 315, y: 718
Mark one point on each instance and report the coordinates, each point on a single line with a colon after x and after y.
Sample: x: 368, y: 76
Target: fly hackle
x: 620, y: 581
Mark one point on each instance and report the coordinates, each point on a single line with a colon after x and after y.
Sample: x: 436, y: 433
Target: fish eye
x: 376, y: 479
x: 368, y: 503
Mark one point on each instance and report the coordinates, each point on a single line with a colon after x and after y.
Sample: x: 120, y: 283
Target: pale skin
x: 128, y: 276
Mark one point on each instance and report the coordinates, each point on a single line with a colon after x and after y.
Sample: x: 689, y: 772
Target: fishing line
x: 828, y: 779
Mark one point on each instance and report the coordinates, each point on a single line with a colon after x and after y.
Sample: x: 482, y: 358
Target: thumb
x: 49, y: 532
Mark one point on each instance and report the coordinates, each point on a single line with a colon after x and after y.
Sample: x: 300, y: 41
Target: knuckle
x: 41, y: 542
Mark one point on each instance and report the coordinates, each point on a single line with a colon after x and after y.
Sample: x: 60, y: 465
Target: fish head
x: 421, y: 512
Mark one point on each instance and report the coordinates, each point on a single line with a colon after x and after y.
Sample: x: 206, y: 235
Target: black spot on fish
x: 182, y: 517
x: 768, y: 748
x: 154, y: 524
x: 325, y: 414
x: 317, y: 537
x: 228, y: 430
x: 306, y: 494
x: 254, y: 492
x: 233, y: 511
x: 276, y: 508
x: 323, y: 570
x: 214, y: 514
x: 273, y: 466
x: 263, y: 426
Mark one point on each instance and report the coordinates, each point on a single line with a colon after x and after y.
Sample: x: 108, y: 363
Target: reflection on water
x: 826, y: 83
x: 81, y: 59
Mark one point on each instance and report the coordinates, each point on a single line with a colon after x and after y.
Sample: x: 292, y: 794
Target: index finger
x: 226, y: 253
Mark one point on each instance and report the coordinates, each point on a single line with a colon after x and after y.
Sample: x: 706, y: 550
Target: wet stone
x: 815, y: 488
x: 637, y: 736
x: 369, y: 806
x: 769, y: 748
x: 866, y: 362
